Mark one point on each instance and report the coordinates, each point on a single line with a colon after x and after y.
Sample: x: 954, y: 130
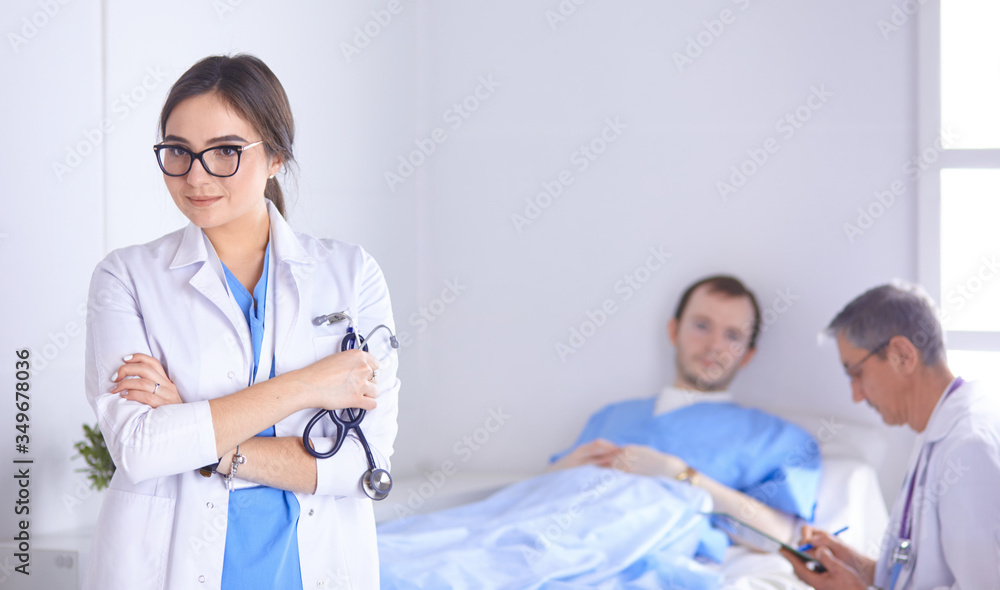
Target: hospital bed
x: 849, y: 495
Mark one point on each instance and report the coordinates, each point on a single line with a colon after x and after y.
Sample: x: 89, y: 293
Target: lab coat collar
x: 192, y: 246
x: 284, y: 240
x: 289, y: 278
x: 672, y: 398
x: 945, y: 413
x: 210, y: 281
x: 191, y: 249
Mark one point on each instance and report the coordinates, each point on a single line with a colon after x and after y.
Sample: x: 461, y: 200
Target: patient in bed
x: 606, y: 523
x: 757, y: 467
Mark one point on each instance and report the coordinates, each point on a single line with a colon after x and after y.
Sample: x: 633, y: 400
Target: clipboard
x: 741, y: 531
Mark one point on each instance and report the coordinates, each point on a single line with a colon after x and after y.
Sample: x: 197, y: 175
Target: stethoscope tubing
x: 354, y: 416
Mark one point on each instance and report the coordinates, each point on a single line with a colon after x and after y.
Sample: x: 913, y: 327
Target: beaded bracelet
x: 238, y: 460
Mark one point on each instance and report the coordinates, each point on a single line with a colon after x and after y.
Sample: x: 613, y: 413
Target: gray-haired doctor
x: 944, y: 531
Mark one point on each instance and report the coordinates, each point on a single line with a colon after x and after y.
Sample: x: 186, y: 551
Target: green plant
x: 99, y: 467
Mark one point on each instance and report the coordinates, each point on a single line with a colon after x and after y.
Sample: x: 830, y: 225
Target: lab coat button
x: 231, y: 374
x: 210, y: 505
x: 201, y: 579
x: 321, y: 584
x: 311, y: 512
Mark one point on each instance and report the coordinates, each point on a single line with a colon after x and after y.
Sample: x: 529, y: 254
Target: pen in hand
x: 809, y: 546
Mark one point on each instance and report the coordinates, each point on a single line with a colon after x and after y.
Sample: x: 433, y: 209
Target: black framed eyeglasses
x: 222, y: 160
x: 853, y: 369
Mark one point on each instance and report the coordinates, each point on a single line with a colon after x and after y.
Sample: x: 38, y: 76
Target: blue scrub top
x: 262, y: 547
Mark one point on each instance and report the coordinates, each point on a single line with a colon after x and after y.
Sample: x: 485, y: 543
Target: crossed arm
x: 342, y: 380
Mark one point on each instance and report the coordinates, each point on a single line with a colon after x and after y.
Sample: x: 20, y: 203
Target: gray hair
x: 896, y: 309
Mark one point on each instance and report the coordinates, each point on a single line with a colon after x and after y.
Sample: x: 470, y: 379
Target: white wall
x: 655, y: 186
x: 523, y: 286
x: 51, y: 236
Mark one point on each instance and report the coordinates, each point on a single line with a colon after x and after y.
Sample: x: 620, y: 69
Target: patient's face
x: 711, y: 340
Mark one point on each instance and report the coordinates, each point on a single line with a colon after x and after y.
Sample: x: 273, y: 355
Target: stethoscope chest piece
x: 377, y: 483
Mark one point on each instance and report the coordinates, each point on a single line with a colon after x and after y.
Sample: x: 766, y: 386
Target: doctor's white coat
x: 162, y: 524
x: 956, y: 499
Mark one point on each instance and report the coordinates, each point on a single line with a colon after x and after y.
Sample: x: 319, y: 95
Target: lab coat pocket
x: 132, y: 542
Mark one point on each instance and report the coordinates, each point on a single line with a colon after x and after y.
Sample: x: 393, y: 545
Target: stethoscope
x: 904, y: 544
x: 376, y: 482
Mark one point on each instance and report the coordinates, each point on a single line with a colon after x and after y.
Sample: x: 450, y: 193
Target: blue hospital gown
x: 749, y: 450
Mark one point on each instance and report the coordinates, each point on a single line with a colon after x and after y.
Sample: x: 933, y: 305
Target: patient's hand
x: 597, y: 452
x: 643, y: 460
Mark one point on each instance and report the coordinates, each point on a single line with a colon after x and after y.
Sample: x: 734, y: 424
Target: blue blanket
x: 586, y: 527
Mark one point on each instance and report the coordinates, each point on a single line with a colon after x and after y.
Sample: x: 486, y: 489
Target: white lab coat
x: 955, y: 506
x: 162, y: 524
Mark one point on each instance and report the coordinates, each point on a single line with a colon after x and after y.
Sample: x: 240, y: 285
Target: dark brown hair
x: 730, y: 286
x: 251, y: 89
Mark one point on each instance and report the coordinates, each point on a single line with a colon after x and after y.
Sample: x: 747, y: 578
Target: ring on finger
x: 155, y: 388
x: 374, y: 375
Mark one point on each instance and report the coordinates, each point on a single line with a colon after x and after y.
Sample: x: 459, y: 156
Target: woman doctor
x: 202, y: 353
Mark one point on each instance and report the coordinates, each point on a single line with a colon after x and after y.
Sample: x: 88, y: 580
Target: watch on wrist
x: 688, y: 475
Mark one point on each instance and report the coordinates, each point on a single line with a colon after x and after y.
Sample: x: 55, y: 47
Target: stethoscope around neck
x: 376, y: 482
